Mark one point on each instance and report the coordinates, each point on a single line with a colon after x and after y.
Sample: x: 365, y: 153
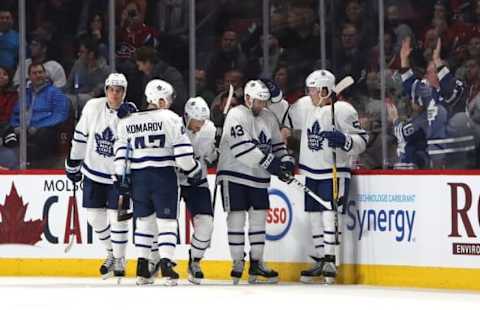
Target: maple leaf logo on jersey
x: 264, y: 143
x: 314, y: 139
x: 13, y: 227
x: 105, y: 143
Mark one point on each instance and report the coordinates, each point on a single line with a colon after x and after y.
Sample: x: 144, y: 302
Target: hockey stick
x: 304, y: 188
x: 72, y: 237
x: 342, y: 85
x: 229, y: 100
x: 225, y: 111
x: 123, y: 201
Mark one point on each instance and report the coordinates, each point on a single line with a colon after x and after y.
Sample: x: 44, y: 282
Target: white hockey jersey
x: 246, y: 140
x: 315, y: 154
x: 279, y: 109
x: 93, y: 140
x: 203, y: 143
x: 154, y: 138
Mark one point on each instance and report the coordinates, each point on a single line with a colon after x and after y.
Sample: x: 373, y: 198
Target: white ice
x: 19, y: 293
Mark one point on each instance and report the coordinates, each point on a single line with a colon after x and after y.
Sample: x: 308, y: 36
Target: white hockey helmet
x: 159, y: 89
x: 255, y: 89
x: 117, y: 79
x: 197, y: 108
x: 321, y: 79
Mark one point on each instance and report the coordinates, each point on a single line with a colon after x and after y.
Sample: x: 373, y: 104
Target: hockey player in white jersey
x: 312, y: 114
x: 251, y: 150
x: 196, y: 193
x: 150, y: 145
x: 92, y: 155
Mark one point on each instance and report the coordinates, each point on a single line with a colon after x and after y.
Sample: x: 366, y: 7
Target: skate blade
x: 194, y: 280
x: 144, y: 281
x: 119, y: 280
x: 235, y: 281
x: 169, y: 282
x: 107, y: 276
x: 262, y: 280
x: 330, y: 281
x: 312, y: 280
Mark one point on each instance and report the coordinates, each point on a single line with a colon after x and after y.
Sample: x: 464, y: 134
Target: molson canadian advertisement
x: 397, y: 229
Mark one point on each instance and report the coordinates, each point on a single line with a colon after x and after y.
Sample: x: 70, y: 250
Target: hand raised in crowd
x: 437, y: 60
x: 405, y: 52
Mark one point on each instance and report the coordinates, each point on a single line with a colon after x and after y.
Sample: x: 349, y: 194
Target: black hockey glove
x: 10, y: 138
x: 126, y: 109
x: 286, y: 171
x: 72, y: 170
x: 122, y: 186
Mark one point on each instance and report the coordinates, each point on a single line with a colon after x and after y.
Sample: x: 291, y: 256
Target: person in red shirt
x: 8, y: 139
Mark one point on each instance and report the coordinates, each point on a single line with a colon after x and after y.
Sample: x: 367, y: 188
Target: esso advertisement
x: 279, y: 216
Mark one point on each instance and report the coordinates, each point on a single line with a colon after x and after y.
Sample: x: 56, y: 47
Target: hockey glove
x: 122, y: 186
x: 337, y: 139
x: 271, y: 164
x: 276, y: 94
x: 72, y: 170
x: 10, y: 138
x: 286, y: 171
x: 194, y: 176
x: 126, y: 109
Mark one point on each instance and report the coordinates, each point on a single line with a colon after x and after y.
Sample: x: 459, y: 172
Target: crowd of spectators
x: 68, y: 61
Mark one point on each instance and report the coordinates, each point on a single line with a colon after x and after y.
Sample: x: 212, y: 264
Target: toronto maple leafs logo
x: 314, y: 139
x: 105, y: 143
x: 264, y: 143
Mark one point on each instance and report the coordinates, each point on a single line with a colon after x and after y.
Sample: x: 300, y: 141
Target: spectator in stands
x: 355, y: 15
x: 350, y: 56
x: 229, y: 56
x: 301, y: 42
x: 96, y: 32
x: 392, y: 61
x: 39, y: 54
x: 9, y: 41
x: 8, y: 138
x: 47, y: 107
x: 281, y: 77
x: 87, y: 77
x: 134, y: 33
x: 151, y: 67
x: 201, y: 86
x: 395, y: 22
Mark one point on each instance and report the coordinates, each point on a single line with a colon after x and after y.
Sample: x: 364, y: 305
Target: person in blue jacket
x: 46, y: 108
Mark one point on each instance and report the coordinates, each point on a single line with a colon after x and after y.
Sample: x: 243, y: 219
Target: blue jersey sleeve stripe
x: 245, y: 152
x: 277, y: 144
x: 182, y: 144
x: 240, y: 143
x: 79, y: 141
x: 184, y: 154
x: 81, y: 133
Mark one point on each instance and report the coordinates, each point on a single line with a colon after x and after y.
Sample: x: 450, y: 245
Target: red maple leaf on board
x: 13, y: 227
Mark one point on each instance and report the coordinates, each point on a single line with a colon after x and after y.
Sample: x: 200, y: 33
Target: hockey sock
x: 236, y: 234
x: 256, y: 232
x: 316, y: 226
x: 97, y: 218
x: 203, y: 228
x: 167, y: 237
x: 119, y: 234
x: 154, y: 254
x: 144, y: 235
x: 329, y: 232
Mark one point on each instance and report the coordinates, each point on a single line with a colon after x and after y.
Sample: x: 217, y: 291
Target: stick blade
x: 343, y: 84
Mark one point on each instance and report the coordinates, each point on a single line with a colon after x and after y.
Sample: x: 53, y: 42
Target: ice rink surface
x: 19, y: 293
